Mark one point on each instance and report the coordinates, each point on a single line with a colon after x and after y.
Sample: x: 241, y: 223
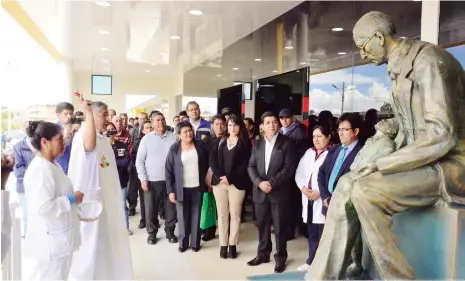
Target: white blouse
x: 190, y: 168
x: 309, y: 168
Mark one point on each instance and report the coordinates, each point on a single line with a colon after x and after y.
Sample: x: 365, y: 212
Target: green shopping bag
x: 208, y: 213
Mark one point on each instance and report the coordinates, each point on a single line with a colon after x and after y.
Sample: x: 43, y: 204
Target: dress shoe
x: 195, y: 249
x: 224, y: 252
x: 141, y: 225
x: 182, y: 249
x: 209, y: 234
x: 152, y: 239
x: 171, y: 237
x: 131, y: 212
x: 232, y: 252
x: 258, y: 261
x: 280, y: 267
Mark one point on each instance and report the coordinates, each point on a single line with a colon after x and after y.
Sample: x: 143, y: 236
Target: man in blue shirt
x: 202, y: 127
x: 64, y: 111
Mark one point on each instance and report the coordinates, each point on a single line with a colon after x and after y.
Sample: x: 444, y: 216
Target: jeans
x: 23, y: 205
x: 124, y: 192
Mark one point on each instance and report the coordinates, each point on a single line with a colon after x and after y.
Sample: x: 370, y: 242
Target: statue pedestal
x: 433, y: 241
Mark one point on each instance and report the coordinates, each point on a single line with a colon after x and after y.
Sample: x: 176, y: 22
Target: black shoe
x: 280, y: 267
x: 131, y: 212
x: 170, y: 236
x: 195, y: 249
x: 232, y: 252
x: 224, y: 252
x: 141, y: 225
x: 152, y: 239
x: 258, y: 261
x: 182, y: 249
x: 209, y: 234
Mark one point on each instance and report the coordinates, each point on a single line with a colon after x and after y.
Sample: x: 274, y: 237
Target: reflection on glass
x: 363, y: 87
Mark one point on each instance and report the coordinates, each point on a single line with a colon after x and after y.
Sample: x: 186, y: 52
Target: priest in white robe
x: 105, y: 252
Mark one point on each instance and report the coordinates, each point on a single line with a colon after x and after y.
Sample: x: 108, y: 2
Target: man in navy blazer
x: 340, y: 156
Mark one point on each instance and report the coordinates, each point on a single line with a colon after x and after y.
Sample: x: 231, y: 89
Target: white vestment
x: 105, y: 252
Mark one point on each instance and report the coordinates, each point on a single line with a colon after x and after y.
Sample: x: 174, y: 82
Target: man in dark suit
x: 271, y: 169
x: 340, y: 156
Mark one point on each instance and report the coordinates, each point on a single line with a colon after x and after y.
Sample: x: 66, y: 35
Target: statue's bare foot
x: 354, y: 271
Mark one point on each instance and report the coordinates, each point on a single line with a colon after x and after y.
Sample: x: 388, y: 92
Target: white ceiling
x: 139, y: 33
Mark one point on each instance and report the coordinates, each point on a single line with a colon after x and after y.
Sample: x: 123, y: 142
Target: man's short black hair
x: 269, y: 114
x: 78, y: 114
x: 182, y: 113
x: 190, y: 103
x: 175, y: 117
x: 355, y: 120
x: 64, y: 106
x: 249, y: 120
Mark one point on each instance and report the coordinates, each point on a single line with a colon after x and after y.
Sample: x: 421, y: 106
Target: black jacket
x: 281, y: 170
x: 174, y: 171
x: 298, y: 133
x: 238, y: 175
x: 122, y: 162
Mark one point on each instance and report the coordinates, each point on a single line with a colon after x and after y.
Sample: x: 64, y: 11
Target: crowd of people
x: 79, y: 180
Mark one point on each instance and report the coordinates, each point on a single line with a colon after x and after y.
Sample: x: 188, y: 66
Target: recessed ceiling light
x: 148, y: 71
x: 337, y: 29
x: 302, y: 63
x: 103, y: 3
x: 274, y: 71
x: 105, y: 49
x: 175, y: 37
x: 218, y: 75
x: 153, y: 63
x: 104, y: 32
x: 235, y: 68
x: 403, y: 37
x: 342, y: 53
x: 196, y: 12
x: 289, y: 47
x: 258, y: 59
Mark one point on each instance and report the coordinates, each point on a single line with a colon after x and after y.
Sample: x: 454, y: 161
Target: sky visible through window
x: 366, y: 86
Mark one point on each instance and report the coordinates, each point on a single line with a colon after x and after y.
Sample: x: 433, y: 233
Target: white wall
x: 123, y: 85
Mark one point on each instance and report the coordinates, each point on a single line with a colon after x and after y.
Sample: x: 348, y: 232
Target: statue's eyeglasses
x: 362, y: 48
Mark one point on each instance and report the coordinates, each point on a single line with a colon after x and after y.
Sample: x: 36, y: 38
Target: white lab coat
x: 105, y: 253
x: 308, y: 166
x: 53, y: 225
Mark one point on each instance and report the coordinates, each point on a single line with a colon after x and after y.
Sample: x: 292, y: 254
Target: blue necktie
x: 336, y: 169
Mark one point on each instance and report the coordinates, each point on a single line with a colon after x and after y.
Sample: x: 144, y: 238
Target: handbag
x: 208, y: 212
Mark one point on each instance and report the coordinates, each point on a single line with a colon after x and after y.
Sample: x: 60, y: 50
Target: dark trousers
x: 188, y: 212
x: 153, y: 197
x: 314, y: 233
x: 135, y: 190
x: 294, y: 212
x: 265, y: 213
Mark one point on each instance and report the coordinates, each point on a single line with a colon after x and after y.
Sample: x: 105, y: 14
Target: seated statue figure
x: 342, y: 212
x: 427, y: 166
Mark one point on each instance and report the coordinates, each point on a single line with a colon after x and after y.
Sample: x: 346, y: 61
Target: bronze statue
x: 428, y: 165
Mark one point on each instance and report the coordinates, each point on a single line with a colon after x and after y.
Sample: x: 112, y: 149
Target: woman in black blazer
x: 186, y: 168
x: 229, y: 160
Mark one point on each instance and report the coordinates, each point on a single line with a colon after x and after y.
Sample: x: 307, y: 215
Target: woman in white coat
x: 53, y: 223
x: 306, y: 178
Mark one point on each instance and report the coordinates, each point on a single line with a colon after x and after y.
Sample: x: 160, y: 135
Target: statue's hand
x: 365, y: 170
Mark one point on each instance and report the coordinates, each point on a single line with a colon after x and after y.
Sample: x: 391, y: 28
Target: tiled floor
x: 163, y: 261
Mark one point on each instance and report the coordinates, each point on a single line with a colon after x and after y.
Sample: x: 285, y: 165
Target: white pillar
x: 430, y: 21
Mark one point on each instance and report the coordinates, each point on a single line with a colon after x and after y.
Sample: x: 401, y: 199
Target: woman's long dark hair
x: 243, y: 135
